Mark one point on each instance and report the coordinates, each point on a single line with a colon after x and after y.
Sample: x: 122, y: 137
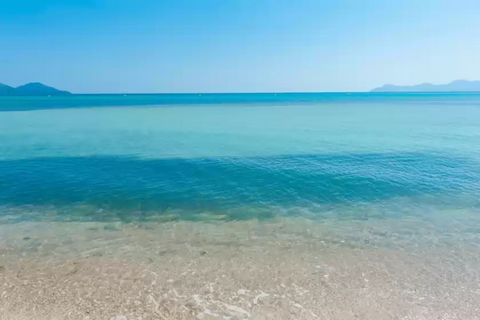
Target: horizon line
x: 240, y: 92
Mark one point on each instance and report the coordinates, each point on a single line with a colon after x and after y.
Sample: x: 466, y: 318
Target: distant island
x: 40, y: 89
x: 457, y: 85
x: 31, y: 89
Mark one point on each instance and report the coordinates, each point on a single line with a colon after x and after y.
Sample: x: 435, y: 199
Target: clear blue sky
x: 237, y: 45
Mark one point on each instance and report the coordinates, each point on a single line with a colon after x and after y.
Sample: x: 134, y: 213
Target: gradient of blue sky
x: 237, y: 45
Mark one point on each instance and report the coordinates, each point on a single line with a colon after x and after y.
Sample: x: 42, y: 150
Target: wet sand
x: 289, y: 268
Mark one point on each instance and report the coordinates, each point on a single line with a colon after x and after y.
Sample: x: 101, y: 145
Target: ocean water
x: 238, y: 156
x: 240, y: 206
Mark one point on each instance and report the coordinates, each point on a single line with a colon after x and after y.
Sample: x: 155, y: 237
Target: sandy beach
x: 289, y: 268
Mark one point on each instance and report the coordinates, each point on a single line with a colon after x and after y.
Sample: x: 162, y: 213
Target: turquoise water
x: 239, y: 156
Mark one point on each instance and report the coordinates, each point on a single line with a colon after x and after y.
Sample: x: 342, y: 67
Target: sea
x: 238, y: 156
x: 350, y: 171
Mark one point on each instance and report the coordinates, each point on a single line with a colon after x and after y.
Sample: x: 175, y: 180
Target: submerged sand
x: 289, y: 268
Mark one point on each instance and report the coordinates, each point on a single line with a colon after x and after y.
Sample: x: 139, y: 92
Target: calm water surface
x: 239, y: 156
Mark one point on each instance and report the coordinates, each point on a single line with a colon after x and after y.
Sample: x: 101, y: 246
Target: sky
x: 126, y: 46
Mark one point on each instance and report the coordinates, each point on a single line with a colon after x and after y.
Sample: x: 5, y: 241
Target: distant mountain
x: 6, y: 90
x: 457, y: 85
x: 31, y: 89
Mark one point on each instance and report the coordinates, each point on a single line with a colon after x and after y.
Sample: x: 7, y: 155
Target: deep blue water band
x: 220, y: 184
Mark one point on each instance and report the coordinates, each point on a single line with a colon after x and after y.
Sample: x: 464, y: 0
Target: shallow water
x: 355, y: 183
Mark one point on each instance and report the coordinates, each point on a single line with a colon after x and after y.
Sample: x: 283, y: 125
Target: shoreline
x: 289, y: 268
